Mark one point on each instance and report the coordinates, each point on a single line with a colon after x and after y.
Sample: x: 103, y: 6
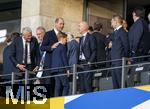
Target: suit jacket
x: 120, y: 45
x: 138, y: 31
x: 16, y: 54
x: 49, y: 39
x: 73, y: 52
x: 89, y: 48
x: 59, y: 57
x: 100, y: 46
x: 8, y: 66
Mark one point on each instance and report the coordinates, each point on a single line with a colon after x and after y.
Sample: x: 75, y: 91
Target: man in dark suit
x: 8, y: 66
x: 40, y: 32
x: 100, y: 44
x: 119, y: 49
x: 139, y: 38
x: 25, y: 54
x: 139, y: 34
x: 100, y: 49
x: 87, y: 55
x: 59, y: 59
x: 72, y: 50
x: 24, y: 51
x: 50, y: 42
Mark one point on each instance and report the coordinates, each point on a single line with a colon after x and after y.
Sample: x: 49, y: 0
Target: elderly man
x: 87, y: 56
x: 40, y: 32
x: 24, y: 51
x: 25, y: 54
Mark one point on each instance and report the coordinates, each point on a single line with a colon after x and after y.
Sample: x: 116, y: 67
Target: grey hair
x: 26, y: 29
x: 41, y: 28
x: 70, y: 37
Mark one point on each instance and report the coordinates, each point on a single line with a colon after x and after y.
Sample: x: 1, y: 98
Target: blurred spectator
x: 73, y: 50
x: 125, y: 25
x: 139, y: 34
x: 139, y: 41
x: 40, y: 32
x: 8, y: 66
x: 100, y: 44
x: 90, y: 30
x: 100, y: 50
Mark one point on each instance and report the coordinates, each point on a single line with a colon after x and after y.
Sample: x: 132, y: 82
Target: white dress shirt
x: 28, y: 49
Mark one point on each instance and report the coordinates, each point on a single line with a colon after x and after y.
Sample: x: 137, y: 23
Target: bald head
x: 83, y: 27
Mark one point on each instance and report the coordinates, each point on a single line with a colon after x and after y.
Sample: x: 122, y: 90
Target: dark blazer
x: 89, y: 48
x: 49, y: 39
x: 138, y: 31
x: 73, y: 52
x: 100, y: 46
x: 59, y: 57
x: 16, y: 54
x: 8, y: 66
x: 120, y: 45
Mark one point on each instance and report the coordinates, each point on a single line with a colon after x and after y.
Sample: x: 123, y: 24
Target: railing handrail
x: 65, y: 67
x: 79, y: 72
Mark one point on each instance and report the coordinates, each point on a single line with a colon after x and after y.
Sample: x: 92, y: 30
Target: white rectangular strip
x: 144, y: 105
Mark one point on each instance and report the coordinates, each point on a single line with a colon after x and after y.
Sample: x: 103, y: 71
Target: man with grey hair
x: 24, y: 51
x: 87, y: 55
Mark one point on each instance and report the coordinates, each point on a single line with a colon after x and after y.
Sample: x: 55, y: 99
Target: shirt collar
x: 56, y: 31
x: 85, y: 34
x: 23, y: 39
x: 118, y: 28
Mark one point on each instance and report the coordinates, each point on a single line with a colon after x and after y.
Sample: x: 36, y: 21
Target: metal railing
x: 75, y: 72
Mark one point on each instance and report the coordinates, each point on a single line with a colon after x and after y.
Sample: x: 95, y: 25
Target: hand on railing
x: 36, y: 69
x: 21, y: 67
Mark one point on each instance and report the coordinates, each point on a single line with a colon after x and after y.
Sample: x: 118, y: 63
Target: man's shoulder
x: 50, y: 31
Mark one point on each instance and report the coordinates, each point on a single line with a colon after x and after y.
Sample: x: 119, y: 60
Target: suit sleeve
x: 135, y: 35
x: 93, y: 49
x: 64, y: 56
x: 37, y: 53
x: 46, y: 46
x: 13, y: 52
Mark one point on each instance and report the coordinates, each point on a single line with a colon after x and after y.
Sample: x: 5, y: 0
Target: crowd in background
x: 55, y: 48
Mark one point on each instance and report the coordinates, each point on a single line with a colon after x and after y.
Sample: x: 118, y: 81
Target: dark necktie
x: 26, y: 53
x: 82, y: 41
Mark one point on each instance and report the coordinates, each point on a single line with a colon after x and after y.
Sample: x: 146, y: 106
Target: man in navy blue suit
x: 24, y: 51
x: 8, y: 66
x: 25, y: 54
x: 139, y: 34
x: 119, y: 48
x: 59, y: 59
x: 50, y: 42
x: 72, y: 50
x: 139, y: 38
x: 87, y: 55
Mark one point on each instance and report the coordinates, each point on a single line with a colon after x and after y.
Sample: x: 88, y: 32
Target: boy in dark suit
x: 59, y: 59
